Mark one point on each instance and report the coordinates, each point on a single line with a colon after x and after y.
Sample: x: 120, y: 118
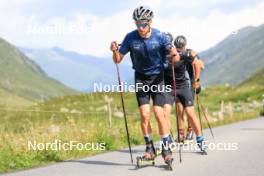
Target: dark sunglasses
x: 142, y: 25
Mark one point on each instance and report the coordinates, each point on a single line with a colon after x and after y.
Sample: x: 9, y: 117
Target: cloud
x: 91, y: 34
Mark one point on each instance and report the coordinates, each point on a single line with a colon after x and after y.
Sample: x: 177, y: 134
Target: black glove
x: 198, y: 90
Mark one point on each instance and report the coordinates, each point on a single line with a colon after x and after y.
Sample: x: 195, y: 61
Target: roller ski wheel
x: 148, y: 158
x: 142, y: 161
x: 204, y: 152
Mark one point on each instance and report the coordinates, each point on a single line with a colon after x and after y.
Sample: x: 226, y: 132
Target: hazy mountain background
x: 79, y: 71
x: 236, y: 58
x: 22, y: 77
x: 231, y: 61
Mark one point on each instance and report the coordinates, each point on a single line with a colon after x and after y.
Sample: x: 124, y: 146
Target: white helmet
x: 143, y: 13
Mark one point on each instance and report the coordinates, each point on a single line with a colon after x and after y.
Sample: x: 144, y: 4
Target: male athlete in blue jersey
x: 148, y: 47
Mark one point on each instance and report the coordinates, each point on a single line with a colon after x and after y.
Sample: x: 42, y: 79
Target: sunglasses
x: 142, y: 25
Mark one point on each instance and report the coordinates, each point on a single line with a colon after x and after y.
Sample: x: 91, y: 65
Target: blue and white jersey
x: 147, y: 54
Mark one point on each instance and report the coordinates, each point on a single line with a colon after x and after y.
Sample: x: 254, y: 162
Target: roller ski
x: 201, y: 143
x: 148, y: 158
x: 167, y: 156
x: 143, y: 162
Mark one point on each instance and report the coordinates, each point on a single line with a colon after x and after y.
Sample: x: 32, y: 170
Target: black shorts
x: 150, y: 86
x: 183, y: 95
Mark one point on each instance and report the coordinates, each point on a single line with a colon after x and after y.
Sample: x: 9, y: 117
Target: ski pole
x: 124, y: 110
x: 171, y: 41
x: 206, y: 118
x: 177, y: 119
x: 199, y: 112
x: 197, y: 101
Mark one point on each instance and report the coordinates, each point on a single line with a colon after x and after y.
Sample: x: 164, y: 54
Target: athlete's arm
x: 117, y: 57
x: 196, y: 65
x: 174, y: 55
x: 197, y: 69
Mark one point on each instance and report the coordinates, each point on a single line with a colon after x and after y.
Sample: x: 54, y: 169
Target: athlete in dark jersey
x: 184, y: 97
x: 193, y: 76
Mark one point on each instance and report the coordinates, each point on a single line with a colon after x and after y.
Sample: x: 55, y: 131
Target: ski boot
x: 170, y: 141
x: 149, y: 156
x: 167, y: 156
x: 202, y: 145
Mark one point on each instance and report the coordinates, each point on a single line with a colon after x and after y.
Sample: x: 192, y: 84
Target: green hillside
x: 256, y: 79
x: 22, y: 77
x: 9, y: 100
x: 252, y: 87
x: 236, y: 58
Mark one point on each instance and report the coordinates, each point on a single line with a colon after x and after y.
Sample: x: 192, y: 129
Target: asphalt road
x: 240, y: 153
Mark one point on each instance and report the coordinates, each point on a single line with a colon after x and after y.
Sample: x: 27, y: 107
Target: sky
x: 88, y: 26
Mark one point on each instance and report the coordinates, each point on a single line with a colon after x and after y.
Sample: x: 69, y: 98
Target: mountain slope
x: 76, y: 70
x: 21, y: 76
x: 9, y: 100
x: 235, y: 58
x: 257, y: 79
x: 250, y: 89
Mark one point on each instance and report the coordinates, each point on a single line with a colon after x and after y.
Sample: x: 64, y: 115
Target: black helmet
x: 180, y: 41
x: 143, y: 13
